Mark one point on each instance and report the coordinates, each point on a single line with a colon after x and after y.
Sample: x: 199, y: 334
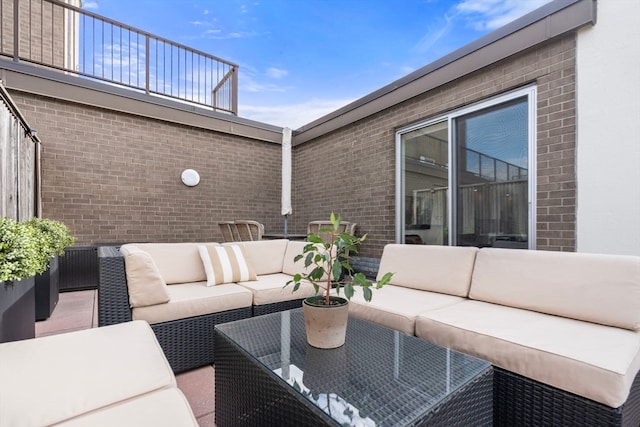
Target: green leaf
x: 384, y: 280
x: 316, y: 273
x: 337, y: 271
x: 367, y: 294
x: 314, y: 238
x: 348, y: 291
x: 308, y: 260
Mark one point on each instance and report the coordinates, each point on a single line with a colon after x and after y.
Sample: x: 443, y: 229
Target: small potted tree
x: 325, y: 314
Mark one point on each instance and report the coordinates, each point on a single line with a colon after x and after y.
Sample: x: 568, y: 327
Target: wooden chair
x: 249, y: 230
x: 229, y: 231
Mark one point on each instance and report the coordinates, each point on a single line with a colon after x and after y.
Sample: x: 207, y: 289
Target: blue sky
x: 301, y: 59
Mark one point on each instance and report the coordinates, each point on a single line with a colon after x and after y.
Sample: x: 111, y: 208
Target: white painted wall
x: 608, y: 130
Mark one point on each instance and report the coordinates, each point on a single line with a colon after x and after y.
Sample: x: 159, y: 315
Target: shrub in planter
x: 20, y: 255
x: 25, y: 251
x: 26, y: 247
x: 53, y: 237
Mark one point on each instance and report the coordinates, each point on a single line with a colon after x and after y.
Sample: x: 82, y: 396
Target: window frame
x: 530, y: 92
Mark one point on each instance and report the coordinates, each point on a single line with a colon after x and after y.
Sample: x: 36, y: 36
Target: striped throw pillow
x: 225, y: 264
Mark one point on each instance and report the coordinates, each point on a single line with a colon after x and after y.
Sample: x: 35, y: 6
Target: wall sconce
x: 190, y: 177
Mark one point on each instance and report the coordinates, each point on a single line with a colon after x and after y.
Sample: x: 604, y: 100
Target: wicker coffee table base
x: 247, y: 394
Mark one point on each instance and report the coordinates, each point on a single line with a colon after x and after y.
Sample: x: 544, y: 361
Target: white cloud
x: 90, y: 5
x: 293, y: 116
x: 434, y: 34
x: 491, y: 14
x: 276, y: 73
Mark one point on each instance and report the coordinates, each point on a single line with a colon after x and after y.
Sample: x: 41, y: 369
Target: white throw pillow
x: 225, y: 264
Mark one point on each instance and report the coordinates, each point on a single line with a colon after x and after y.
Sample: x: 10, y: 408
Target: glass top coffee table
x: 267, y: 374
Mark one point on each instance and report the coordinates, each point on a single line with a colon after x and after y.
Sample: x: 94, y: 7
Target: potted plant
x: 25, y: 251
x: 53, y: 237
x: 325, y: 314
x: 19, y: 263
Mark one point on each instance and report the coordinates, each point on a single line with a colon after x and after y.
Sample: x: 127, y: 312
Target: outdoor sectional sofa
x: 111, y: 376
x: 166, y: 285
x: 561, y: 329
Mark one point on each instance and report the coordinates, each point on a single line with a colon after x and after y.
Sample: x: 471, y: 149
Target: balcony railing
x: 58, y: 35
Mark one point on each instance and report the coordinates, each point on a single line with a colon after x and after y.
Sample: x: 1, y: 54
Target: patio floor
x: 79, y: 310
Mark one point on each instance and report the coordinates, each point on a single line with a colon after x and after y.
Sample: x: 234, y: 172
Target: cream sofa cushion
x: 443, y: 269
x: 195, y: 299
x: 144, y: 282
x: 602, y: 289
x: 177, y: 262
x: 47, y: 380
x: 225, y: 264
x: 595, y: 361
x: 265, y: 256
x: 396, y: 307
x: 269, y: 288
x: 163, y: 408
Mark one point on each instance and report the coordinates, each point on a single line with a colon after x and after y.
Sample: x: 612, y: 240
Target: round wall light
x: 190, y: 178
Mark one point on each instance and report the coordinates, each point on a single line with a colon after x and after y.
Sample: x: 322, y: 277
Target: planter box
x: 47, y: 290
x: 17, y: 310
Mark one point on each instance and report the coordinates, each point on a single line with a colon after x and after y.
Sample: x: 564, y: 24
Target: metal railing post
x: 16, y: 30
x: 234, y: 92
x: 146, y: 63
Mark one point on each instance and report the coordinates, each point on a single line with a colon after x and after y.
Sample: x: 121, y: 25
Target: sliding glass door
x: 485, y: 154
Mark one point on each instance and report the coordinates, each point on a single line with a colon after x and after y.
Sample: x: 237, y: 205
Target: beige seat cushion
x: 603, y: 289
x: 144, y: 282
x: 195, y: 299
x: 225, y: 264
x: 265, y: 256
x: 443, y: 269
x: 595, y: 361
x: 269, y: 288
x: 396, y: 307
x: 177, y: 262
x: 47, y: 380
x: 163, y: 408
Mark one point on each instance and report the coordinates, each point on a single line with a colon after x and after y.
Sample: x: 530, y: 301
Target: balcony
x: 61, y: 36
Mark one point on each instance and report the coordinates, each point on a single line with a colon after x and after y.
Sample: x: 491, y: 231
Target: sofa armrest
x: 113, y: 294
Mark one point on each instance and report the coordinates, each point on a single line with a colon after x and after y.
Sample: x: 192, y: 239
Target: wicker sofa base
x: 189, y: 343
x: 275, y: 307
x: 521, y: 401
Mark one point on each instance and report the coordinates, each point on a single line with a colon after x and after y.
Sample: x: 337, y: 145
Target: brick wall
x: 115, y: 177
x: 352, y: 170
x: 42, y: 31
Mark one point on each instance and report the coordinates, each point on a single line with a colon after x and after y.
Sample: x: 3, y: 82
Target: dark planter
x: 17, y: 310
x: 47, y: 290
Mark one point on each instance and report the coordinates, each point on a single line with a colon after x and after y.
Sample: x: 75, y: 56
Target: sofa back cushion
x: 602, y: 289
x: 443, y: 269
x: 294, y: 248
x: 225, y: 264
x: 265, y: 256
x: 144, y: 281
x: 177, y: 262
